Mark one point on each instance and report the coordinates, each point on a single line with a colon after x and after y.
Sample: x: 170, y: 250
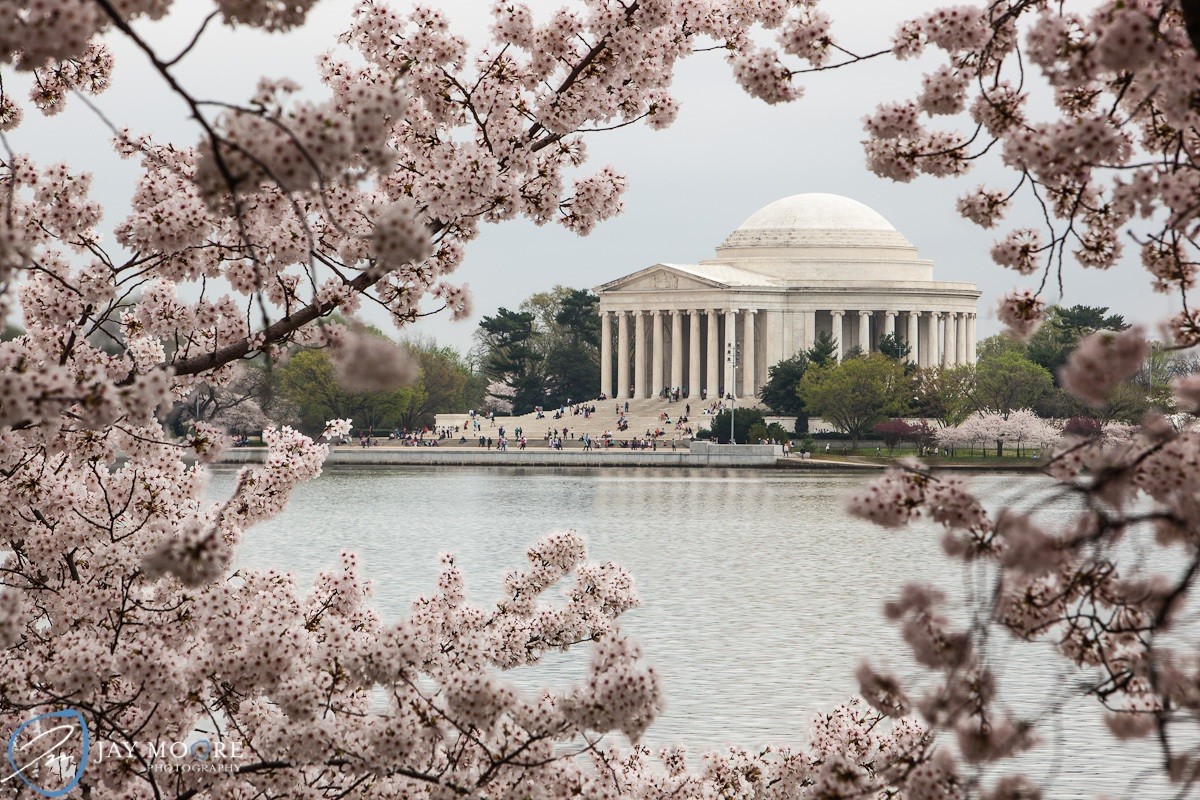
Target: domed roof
x: 816, y: 220
x: 816, y: 211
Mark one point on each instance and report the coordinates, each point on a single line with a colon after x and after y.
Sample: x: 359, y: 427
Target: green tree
x: 1006, y: 381
x: 548, y: 350
x: 743, y: 420
x: 892, y: 347
x: 1058, y: 403
x: 1052, y: 343
x: 941, y: 394
x: 571, y: 374
x: 855, y: 395
x: 544, y: 308
x: 773, y: 433
x: 578, y: 318
x: 998, y: 344
x: 573, y: 363
x: 442, y: 385
x: 779, y: 392
x: 310, y: 383
x: 823, y: 350
x: 1127, y: 403
x: 510, y: 356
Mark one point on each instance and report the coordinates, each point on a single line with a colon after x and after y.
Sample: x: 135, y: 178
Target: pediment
x: 660, y: 278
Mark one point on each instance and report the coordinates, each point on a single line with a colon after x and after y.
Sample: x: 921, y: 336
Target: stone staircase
x: 643, y: 415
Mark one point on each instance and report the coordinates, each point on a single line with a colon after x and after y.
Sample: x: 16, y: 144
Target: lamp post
x: 733, y: 354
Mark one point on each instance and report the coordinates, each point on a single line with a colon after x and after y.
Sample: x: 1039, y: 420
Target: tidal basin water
x: 760, y: 595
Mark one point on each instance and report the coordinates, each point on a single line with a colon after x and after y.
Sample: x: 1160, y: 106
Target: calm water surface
x: 760, y: 595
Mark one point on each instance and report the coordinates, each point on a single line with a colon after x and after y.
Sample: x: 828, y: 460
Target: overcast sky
x: 688, y: 186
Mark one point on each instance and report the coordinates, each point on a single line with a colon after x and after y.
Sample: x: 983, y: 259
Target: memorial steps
x: 643, y: 415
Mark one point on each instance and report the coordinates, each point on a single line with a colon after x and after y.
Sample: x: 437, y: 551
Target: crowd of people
x: 478, y: 428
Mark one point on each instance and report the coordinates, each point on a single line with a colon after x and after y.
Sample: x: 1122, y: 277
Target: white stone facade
x: 800, y: 266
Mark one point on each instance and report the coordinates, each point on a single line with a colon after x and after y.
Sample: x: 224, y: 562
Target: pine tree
x: 823, y: 349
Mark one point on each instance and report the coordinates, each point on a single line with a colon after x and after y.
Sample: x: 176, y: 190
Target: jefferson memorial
x: 801, y: 266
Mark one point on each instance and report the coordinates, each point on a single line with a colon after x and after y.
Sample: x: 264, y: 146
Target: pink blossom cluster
x: 1103, y: 360
x: 119, y: 595
x: 1021, y: 312
x: 983, y: 207
x: 1019, y: 250
x: 1112, y: 149
x: 1014, y: 429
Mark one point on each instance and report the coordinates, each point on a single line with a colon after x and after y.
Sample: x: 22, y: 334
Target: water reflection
x: 760, y: 595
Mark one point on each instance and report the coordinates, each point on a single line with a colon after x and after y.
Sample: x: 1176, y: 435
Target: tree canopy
x: 856, y: 394
x: 1006, y: 381
x: 779, y: 392
x: 548, y: 351
x: 743, y: 420
x: 1062, y: 330
x: 823, y: 349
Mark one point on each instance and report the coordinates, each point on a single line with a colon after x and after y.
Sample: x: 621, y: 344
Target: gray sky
x: 688, y: 186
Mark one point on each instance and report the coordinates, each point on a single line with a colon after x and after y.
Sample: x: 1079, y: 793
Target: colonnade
x: 690, y: 349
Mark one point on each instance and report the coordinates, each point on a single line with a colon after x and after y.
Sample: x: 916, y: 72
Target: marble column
x: 639, y: 354
x: 934, y: 341
x: 970, y: 338
x: 676, y: 350
x: 773, y: 334
x: 914, y: 336
x: 606, y: 354
x: 932, y: 346
x: 622, y: 355
x: 950, y: 339
x: 693, y: 378
x: 714, y: 353
x: 731, y: 353
x: 836, y: 330
x: 656, y: 378
x: 864, y: 331
x: 748, y: 356
x: 889, y: 324
x: 960, y: 339
x: 810, y: 329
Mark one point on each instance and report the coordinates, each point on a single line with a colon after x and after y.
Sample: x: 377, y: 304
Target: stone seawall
x: 701, y: 454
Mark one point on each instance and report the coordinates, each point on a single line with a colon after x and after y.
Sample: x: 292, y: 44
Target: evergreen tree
x: 779, y: 392
x: 1051, y: 345
x: 573, y: 362
x: 823, y: 350
x: 892, y: 347
x: 511, y: 358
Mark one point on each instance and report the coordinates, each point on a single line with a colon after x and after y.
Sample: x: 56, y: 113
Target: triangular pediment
x: 661, y: 278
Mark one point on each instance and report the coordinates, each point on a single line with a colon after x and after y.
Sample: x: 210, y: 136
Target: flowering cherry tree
x: 116, y: 592
x: 1019, y: 428
x: 1112, y: 165
x: 117, y: 598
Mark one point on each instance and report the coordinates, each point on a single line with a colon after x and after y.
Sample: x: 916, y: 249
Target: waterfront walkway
x: 700, y: 454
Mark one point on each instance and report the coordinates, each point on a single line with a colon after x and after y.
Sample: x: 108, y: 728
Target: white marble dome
x: 817, y: 211
x: 819, y: 236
